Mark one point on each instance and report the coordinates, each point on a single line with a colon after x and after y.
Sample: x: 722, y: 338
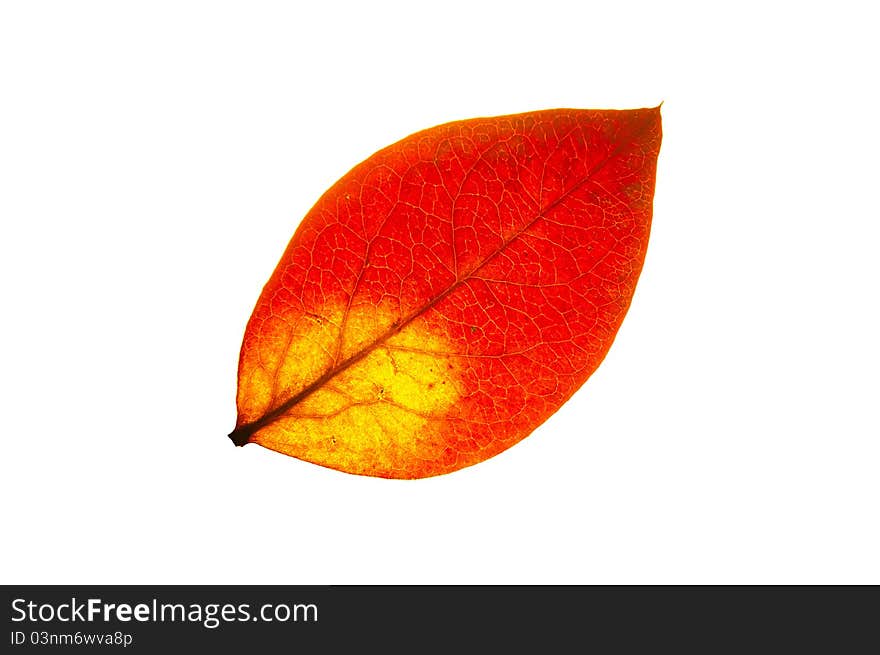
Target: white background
x: 155, y: 158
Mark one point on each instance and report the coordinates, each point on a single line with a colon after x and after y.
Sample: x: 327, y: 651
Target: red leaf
x: 451, y: 292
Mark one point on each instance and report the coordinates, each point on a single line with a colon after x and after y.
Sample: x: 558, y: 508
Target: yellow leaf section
x: 361, y: 326
x: 284, y: 358
x: 381, y: 416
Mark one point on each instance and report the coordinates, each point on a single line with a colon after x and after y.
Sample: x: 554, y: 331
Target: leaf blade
x: 495, y: 241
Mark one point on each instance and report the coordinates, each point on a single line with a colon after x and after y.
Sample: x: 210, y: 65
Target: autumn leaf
x: 451, y: 292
